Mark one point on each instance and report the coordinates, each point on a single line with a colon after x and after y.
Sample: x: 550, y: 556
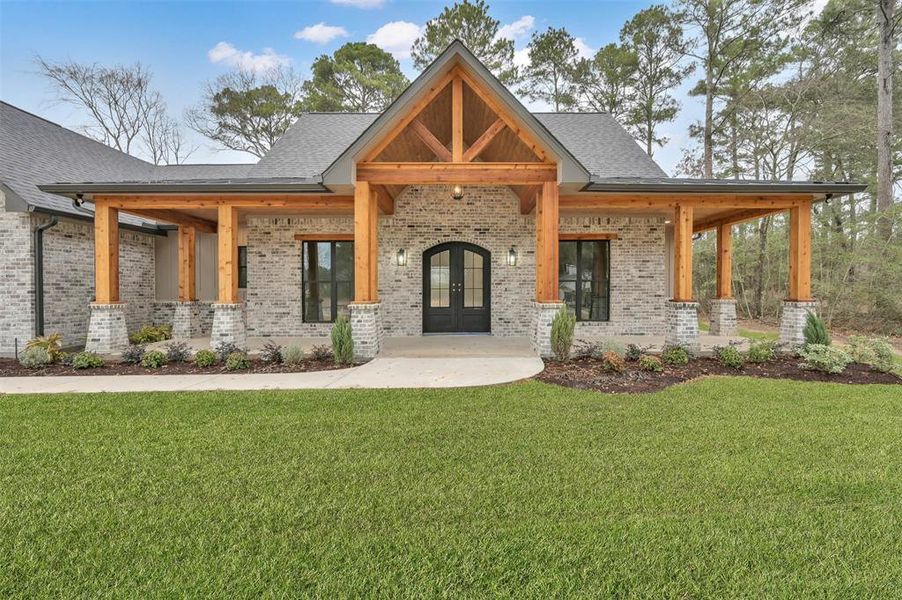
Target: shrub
x: 66, y: 358
x: 815, y: 330
x: 562, y: 327
x: 35, y: 357
x: 86, y: 360
x: 652, y: 364
x: 613, y: 362
x: 729, y: 356
x: 151, y: 333
x: 133, y: 354
x: 293, y: 355
x: 224, y: 349
x: 608, y: 345
x: 205, y: 358
x: 321, y: 353
x: 237, y: 361
x: 633, y: 353
x: 153, y: 359
x: 762, y: 352
x: 877, y: 353
x: 342, y: 344
x: 827, y: 359
x: 271, y: 353
x: 675, y: 356
x: 52, y: 343
x: 178, y: 352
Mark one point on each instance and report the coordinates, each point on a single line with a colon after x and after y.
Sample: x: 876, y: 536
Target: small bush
x: 633, y: 353
x: 651, y: 364
x: 293, y: 355
x: 153, y: 359
x: 613, y: 362
x: 177, y: 352
x: 675, y: 356
x: 342, y: 343
x: 729, y: 356
x: 321, y: 353
x: 151, y: 333
x: 271, y: 353
x: 762, y: 352
x: 133, y: 354
x: 86, y: 360
x: 205, y: 358
x: 827, y: 359
x: 607, y: 345
x: 877, y: 353
x: 815, y: 330
x: 237, y: 361
x: 35, y: 357
x: 224, y: 349
x: 66, y: 358
x: 562, y: 327
x: 52, y: 343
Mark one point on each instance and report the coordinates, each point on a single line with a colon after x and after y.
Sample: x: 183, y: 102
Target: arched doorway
x: 457, y: 289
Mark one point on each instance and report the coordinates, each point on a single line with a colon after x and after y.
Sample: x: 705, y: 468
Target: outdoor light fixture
x: 457, y: 192
x: 512, y: 256
x: 402, y: 257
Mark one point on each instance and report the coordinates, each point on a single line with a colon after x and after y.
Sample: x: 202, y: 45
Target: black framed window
x: 327, y: 279
x: 242, y: 267
x: 585, y: 278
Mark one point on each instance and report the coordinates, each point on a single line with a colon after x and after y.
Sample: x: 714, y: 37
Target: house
x: 454, y: 211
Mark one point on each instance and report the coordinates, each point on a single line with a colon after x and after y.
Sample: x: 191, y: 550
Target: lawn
x: 726, y: 487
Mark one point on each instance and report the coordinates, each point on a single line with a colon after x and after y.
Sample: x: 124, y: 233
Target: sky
x: 188, y: 43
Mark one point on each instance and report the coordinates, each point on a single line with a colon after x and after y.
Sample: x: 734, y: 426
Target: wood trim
x: 106, y: 253
x: 187, y: 247
x: 312, y: 203
x: 365, y: 244
x: 485, y: 173
x: 227, y: 241
x: 733, y: 219
x: 457, y: 119
x: 384, y: 199
x: 800, y: 253
x: 175, y: 218
x: 484, y: 140
x: 324, y: 237
x: 682, y: 254
x: 669, y: 202
x: 547, y: 230
x: 374, y: 246
x: 724, y: 283
x: 527, y: 198
x: 432, y: 142
x: 587, y: 236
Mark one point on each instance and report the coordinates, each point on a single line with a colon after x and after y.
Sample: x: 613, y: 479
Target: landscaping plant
x: 153, y: 359
x: 562, y: 327
x: 633, y: 353
x: 321, y: 353
x: 52, y: 343
x: 151, y: 333
x: 652, y: 364
x: 342, y: 343
x: 177, y: 352
x: 237, y: 361
x: 607, y: 345
x: 729, y: 356
x: 87, y: 360
x: 35, y: 357
x: 815, y: 330
x: 205, y: 358
x: 827, y: 359
x: 613, y: 362
x: 293, y: 355
x: 224, y: 349
x: 877, y: 353
x: 271, y: 353
x: 762, y: 352
x: 133, y: 354
x: 675, y: 356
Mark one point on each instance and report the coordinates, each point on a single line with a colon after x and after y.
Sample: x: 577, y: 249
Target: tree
x: 605, y: 82
x: 552, y: 70
x: 247, y: 111
x: 359, y: 77
x: 470, y: 23
x: 655, y: 38
x: 887, y: 21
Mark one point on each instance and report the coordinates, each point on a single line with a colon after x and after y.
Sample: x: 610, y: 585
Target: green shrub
x: 237, y: 361
x: 153, y: 359
x: 52, y: 343
x: 224, y: 349
x: 133, y: 354
x: 652, y: 364
x: 815, y: 330
x: 827, y: 359
x: 271, y: 353
x: 613, y: 362
x: 675, y: 356
x: 86, y: 360
x: 562, y: 327
x: 205, y: 358
x: 877, y: 353
x: 633, y: 353
x: 151, y: 333
x: 729, y: 356
x: 35, y: 357
x: 178, y: 352
x: 293, y: 355
x: 762, y: 352
x: 342, y: 343
x: 321, y: 353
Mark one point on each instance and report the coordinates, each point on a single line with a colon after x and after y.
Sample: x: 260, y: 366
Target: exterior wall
x: 167, y: 267
x: 164, y: 313
x: 16, y: 281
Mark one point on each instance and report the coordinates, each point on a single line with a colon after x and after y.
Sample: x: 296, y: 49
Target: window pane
x: 473, y: 277
x: 588, y: 254
x: 345, y: 291
x: 567, y: 260
x: 344, y: 261
x: 439, y: 279
x: 317, y: 302
x: 568, y: 294
x: 242, y: 266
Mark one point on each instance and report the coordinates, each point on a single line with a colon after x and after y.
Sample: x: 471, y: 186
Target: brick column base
x: 107, y: 333
x: 366, y: 330
x: 186, y: 320
x: 682, y: 325
x: 723, y: 316
x: 792, y: 322
x: 543, y: 315
x: 229, y: 326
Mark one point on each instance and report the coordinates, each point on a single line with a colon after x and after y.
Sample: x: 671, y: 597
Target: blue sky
x: 187, y: 43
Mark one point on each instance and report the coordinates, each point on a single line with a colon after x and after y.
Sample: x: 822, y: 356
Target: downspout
x: 39, y: 274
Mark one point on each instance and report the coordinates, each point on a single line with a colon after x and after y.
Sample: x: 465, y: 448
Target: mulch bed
x: 590, y: 374
x: 11, y: 368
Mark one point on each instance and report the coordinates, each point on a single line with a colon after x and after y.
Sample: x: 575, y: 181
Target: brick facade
x: 16, y: 282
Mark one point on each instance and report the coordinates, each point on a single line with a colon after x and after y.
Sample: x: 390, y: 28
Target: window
x: 242, y: 267
x: 327, y: 279
x: 584, y: 275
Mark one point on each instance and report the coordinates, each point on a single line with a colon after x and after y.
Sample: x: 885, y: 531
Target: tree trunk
x: 885, y: 11
x: 709, y: 123
x: 763, y: 226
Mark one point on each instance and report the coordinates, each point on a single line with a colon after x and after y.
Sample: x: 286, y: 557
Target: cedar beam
x: 587, y: 236
x: 800, y: 253
x: 228, y: 254
x: 527, y: 198
x: 106, y: 253
x: 682, y: 254
x: 668, y: 202
x: 385, y: 200
x: 187, y: 236
x: 175, y: 218
x: 365, y: 244
x: 485, y: 173
x: 547, y: 231
x: 724, y: 285
x: 484, y: 140
x: 432, y: 142
x: 457, y: 119
x: 734, y: 219
x: 313, y: 203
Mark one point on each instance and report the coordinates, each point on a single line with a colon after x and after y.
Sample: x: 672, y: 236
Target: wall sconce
x: 512, y: 256
x: 457, y: 192
x: 402, y: 257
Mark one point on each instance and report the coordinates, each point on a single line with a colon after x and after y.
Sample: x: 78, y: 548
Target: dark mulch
x: 11, y: 368
x: 590, y: 374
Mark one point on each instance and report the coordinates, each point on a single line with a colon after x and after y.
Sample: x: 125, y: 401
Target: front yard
x: 723, y: 487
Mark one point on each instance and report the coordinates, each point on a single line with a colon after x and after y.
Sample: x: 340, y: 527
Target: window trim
x: 579, y: 280
x: 242, y: 267
x: 320, y: 239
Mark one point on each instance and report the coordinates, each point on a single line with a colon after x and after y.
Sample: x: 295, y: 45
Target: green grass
x: 725, y: 487
x: 755, y: 336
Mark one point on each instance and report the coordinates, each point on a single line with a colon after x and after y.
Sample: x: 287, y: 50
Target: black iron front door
x: 456, y: 289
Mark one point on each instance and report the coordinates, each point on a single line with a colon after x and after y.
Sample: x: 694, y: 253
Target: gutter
x: 658, y: 187
x: 150, y: 230
x: 39, y: 274
x: 71, y: 189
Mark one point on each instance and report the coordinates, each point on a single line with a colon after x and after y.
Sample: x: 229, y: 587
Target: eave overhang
x: 720, y: 186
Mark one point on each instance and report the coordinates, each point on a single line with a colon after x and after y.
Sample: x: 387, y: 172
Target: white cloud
x: 396, y: 37
x: 518, y: 29
x: 521, y: 57
x: 360, y: 3
x: 224, y: 52
x: 583, y: 49
x: 320, y: 33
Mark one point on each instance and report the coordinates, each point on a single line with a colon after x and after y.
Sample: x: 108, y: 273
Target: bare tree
x: 164, y: 140
x: 887, y: 21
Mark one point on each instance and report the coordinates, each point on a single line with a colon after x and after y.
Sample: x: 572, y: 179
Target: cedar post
x: 187, y: 263
x: 724, y: 261
x: 106, y: 253
x: 682, y: 251
x: 228, y: 254
x: 366, y: 279
x: 547, y: 227
x: 800, y: 252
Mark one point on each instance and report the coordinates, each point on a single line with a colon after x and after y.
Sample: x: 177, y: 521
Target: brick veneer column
x: 366, y: 329
x: 723, y: 316
x: 682, y: 325
x: 543, y: 315
x: 228, y: 325
x: 107, y: 333
x: 186, y: 322
x: 792, y: 322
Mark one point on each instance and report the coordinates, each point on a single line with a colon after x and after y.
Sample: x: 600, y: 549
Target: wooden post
x: 187, y: 263
x: 366, y: 280
x: 547, y: 227
x: 457, y: 120
x: 228, y: 254
x: 106, y: 253
x: 724, y: 261
x: 800, y: 252
x: 682, y: 253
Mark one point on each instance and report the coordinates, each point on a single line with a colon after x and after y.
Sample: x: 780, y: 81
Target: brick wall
x: 16, y: 281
